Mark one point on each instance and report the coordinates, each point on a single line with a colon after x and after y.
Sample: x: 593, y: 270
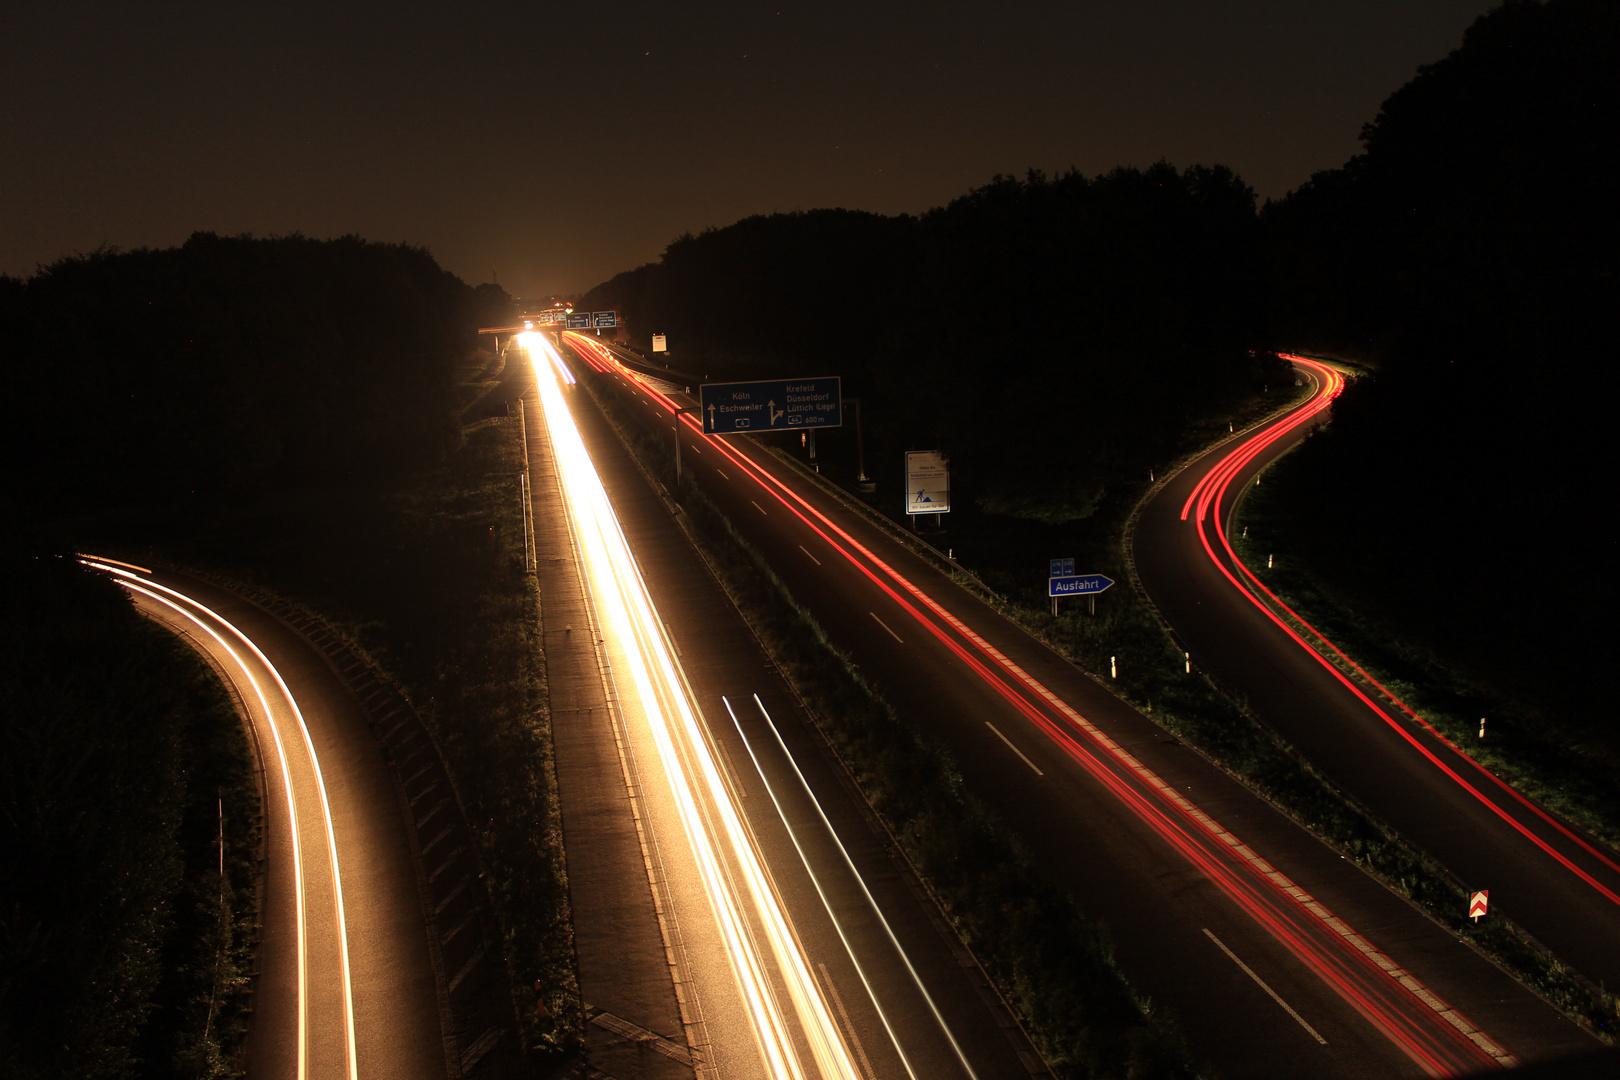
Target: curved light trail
x: 1213, y: 511
x: 1428, y: 1031
x: 723, y: 849
x: 193, y: 613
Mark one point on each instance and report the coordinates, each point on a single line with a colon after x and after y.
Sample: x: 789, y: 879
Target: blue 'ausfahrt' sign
x: 1078, y: 585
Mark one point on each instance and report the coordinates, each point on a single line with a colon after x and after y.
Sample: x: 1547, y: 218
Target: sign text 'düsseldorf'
x: 771, y: 405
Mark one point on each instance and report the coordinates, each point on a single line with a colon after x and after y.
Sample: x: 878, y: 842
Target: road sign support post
x: 864, y: 482
x: 678, y: 413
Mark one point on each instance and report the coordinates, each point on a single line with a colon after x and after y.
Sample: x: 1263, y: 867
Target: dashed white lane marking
x: 849, y: 1028
x: 1247, y: 970
x: 807, y: 552
x: 1171, y: 795
x: 1013, y: 748
x: 885, y: 626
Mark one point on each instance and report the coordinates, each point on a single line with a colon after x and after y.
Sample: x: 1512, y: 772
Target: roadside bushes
x: 205, y: 374
x: 1053, y: 964
x: 462, y: 639
x: 123, y: 951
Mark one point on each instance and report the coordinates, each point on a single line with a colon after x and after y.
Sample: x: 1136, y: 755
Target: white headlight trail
x: 152, y: 590
x: 722, y: 846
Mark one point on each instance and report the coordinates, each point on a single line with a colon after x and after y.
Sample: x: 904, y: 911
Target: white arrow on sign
x: 1478, y: 903
x: 775, y: 414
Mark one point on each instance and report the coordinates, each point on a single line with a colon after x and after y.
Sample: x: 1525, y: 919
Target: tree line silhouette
x: 1058, y: 335
x: 203, y: 375
x: 149, y: 393
x: 1052, y: 334
x: 1469, y: 253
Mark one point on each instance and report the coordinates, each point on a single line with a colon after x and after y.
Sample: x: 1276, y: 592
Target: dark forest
x: 1053, y: 335
x: 1057, y: 336
x: 1469, y: 255
x: 196, y: 378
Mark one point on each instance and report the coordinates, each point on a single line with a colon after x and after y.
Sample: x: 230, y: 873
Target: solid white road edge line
x: 320, y: 787
x: 916, y: 978
x: 849, y: 1028
x: 826, y: 904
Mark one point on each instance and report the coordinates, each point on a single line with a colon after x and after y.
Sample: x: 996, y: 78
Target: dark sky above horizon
x: 559, y: 144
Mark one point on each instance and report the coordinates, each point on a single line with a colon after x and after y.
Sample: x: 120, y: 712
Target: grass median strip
x: 1132, y: 651
x: 1052, y: 964
x: 1569, y: 771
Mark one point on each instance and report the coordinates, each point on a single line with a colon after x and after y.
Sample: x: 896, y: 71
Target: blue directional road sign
x: 1078, y: 585
x: 771, y: 405
x: 604, y: 318
x: 579, y: 320
x: 1062, y: 568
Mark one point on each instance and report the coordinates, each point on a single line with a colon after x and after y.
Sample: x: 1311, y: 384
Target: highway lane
x: 1555, y: 881
x: 1098, y: 805
x: 345, y: 988
x: 746, y: 845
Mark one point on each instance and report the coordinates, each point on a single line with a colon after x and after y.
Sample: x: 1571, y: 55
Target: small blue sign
x: 579, y: 321
x: 1080, y: 585
x: 771, y: 405
x: 1062, y: 568
x: 604, y: 318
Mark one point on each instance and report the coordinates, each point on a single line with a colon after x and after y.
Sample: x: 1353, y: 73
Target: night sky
x: 558, y: 144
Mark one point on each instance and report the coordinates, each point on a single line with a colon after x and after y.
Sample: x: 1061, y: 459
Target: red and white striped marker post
x: 1478, y: 903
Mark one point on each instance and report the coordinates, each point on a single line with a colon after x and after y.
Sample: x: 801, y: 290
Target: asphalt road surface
x: 345, y: 987
x: 1277, y: 956
x: 666, y: 983
x: 1558, y: 883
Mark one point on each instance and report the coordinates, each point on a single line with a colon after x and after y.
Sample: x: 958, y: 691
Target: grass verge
x: 1565, y: 772
x: 209, y: 959
x: 1127, y: 636
x: 130, y: 827
x: 426, y: 577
